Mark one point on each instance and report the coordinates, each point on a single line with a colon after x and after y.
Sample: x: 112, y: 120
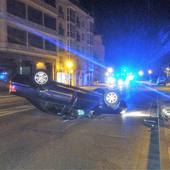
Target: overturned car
x: 50, y: 96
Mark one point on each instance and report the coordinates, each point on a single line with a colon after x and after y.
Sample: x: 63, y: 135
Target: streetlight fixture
x: 167, y: 71
x: 150, y: 72
x: 69, y: 64
x: 110, y: 70
x: 141, y: 73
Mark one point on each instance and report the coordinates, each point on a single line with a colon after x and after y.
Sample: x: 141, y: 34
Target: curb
x: 164, y: 155
x: 163, y: 142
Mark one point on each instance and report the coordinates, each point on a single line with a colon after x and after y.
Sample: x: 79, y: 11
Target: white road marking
x: 7, y: 96
x: 66, y: 121
x: 16, y: 109
x: 169, y: 152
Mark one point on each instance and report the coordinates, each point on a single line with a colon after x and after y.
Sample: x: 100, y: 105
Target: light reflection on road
x: 139, y: 113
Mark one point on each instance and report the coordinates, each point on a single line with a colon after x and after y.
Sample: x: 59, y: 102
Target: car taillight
x: 12, y: 88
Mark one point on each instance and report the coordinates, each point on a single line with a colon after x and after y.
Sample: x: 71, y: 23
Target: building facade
x: 99, y: 55
x: 46, y: 34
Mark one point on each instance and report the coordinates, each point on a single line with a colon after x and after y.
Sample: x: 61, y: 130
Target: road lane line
x: 64, y: 121
x: 6, y: 96
x: 13, y: 110
x: 159, y: 131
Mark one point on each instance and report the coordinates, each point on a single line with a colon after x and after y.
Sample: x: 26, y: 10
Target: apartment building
x: 99, y: 55
x: 46, y: 34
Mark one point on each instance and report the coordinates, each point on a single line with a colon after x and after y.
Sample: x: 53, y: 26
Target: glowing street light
x: 110, y: 70
x: 150, y: 72
x: 69, y: 64
x: 167, y: 69
x: 106, y: 74
x: 141, y: 73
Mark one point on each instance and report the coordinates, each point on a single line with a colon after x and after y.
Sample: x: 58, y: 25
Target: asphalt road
x: 30, y: 139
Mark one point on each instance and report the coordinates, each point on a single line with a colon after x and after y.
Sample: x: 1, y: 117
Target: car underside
x: 65, y: 99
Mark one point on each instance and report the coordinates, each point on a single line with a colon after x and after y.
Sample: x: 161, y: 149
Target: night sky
x: 134, y: 31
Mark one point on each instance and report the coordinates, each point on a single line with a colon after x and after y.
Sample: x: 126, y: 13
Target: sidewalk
x: 165, y: 144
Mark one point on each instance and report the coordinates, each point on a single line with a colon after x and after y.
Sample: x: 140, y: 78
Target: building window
x: 91, y: 27
x: 82, y: 37
x: 78, y: 48
x: 78, y: 22
x: 78, y: 38
x: 50, y: 46
x: 35, y: 41
x: 71, y: 44
x: 88, y: 38
x: 71, y: 30
x: 60, y: 12
x: 49, y: 22
x: 61, y: 29
x: 61, y: 46
x: 91, y: 40
x: 16, y: 36
x: 35, y: 15
x: 71, y: 15
x: 83, y: 50
x: 50, y: 2
x: 82, y: 24
x: 16, y: 8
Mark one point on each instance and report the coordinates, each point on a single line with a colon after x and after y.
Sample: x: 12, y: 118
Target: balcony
x: 25, y: 23
x: 45, y: 5
x: 16, y: 48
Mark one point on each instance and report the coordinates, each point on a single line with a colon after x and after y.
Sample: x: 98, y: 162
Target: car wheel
x: 112, y: 99
x: 40, y: 77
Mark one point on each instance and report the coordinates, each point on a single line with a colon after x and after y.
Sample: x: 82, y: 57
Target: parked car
x: 63, y: 99
x: 161, y: 81
x: 165, y: 110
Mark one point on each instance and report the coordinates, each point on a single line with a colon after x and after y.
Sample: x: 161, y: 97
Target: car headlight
x: 164, y: 110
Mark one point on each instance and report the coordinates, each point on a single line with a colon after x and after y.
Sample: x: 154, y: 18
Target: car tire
x: 112, y: 99
x: 40, y: 77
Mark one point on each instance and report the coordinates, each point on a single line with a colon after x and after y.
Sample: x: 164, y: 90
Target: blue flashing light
x: 2, y: 77
x: 4, y: 73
